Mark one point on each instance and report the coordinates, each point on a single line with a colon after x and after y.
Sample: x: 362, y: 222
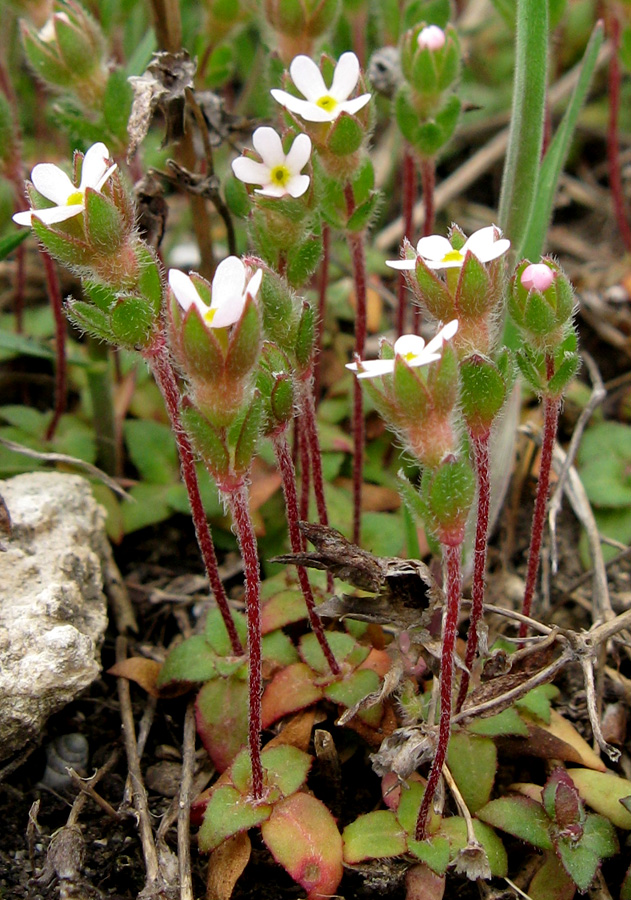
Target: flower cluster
x: 323, y: 104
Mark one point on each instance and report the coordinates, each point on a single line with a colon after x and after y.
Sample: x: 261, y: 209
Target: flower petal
x: 372, y: 368
x: 53, y: 183
x: 55, y: 214
x: 445, y: 334
x: 433, y: 247
x: 345, y: 77
x: 299, y: 154
x: 484, y: 245
x: 307, y: 77
x: 249, y: 171
x: 271, y: 190
x: 409, y: 344
x: 309, y: 111
x: 22, y: 218
x: 95, y: 166
x: 353, y: 106
x: 268, y: 145
x: 99, y: 185
x: 298, y: 185
x: 402, y: 264
x: 228, y: 286
x: 254, y: 283
x: 185, y: 291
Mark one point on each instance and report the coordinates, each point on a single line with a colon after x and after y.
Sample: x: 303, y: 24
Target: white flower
x: 279, y: 173
x: 230, y: 291
x: 411, y: 348
x: 431, y: 37
x: 53, y: 183
x: 437, y: 252
x: 323, y: 104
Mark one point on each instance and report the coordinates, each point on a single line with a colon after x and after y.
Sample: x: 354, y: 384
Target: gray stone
x: 52, y: 607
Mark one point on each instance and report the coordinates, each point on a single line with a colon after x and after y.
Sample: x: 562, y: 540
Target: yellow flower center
x: 327, y: 103
x: 453, y: 256
x: 408, y: 357
x: 280, y: 175
x: 209, y: 316
x: 75, y: 199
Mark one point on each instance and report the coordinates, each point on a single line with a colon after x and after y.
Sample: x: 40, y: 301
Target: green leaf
x: 152, y: 450
x: 520, y: 816
x: 353, y: 689
x: 285, y: 770
x: 283, y: 608
x: 12, y: 241
x: 344, y: 648
x: 228, y: 813
x: 455, y: 829
x: 603, y: 791
x: 346, y: 135
x: 117, y: 102
x: 579, y: 862
x: 551, y: 881
x: 376, y: 835
x: 148, y: 506
x: 473, y: 763
x: 434, y: 852
x: 189, y: 662
x: 104, y: 223
x: 216, y: 633
x: 537, y: 701
x: 279, y: 649
x: 221, y: 715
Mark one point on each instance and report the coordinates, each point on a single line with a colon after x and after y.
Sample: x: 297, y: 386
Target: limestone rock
x: 52, y: 607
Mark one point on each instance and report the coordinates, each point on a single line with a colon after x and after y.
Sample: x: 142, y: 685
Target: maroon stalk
x: 356, y: 246
x: 451, y: 556
x: 428, y: 183
x: 613, y: 150
x: 322, y: 289
x: 551, y: 408
x: 54, y: 295
x: 288, y: 475
x: 480, y: 444
x: 239, y: 507
x: 158, y: 359
x: 409, y: 194
x: 305, y: 468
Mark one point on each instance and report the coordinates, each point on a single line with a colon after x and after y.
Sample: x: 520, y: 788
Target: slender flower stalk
x: 480, y: 444
x: 238, y: 501
x: 613, y: 147
x: 158, y: 359
x: 551, y: 409
x: 409, y: 195
x: 322, y: 290
x: 288, y: 475
x: 54, y: 295
x: 453, y: 577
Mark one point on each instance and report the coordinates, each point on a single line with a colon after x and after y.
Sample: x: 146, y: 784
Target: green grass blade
x: 12, y: 241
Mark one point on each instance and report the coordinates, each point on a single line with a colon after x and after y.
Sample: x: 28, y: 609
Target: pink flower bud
x: 537, y: 277
x: 432, y: 37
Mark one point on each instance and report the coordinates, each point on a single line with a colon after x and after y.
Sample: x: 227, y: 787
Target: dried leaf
x: 162, y: 86
x: 143, y: 671
x: 226, y: 865
x: 421, y: 883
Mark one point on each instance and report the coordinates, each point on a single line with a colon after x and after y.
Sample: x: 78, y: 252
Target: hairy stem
x: 158, y: 359
x: 613, y: 148
x: 428, y: 182
x: 54, y: 295
x: 451, y: 555
x: 288, y: 475
x: 322, y: 289
x: 409, y: 195
x: 356, y: 246
x: 239, y: 507
x: 312, y: 442
x: 480, y: 446
x: 551, y: 407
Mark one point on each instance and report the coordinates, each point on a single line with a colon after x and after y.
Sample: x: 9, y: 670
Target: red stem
x: 480, y: 446
x: 613, y: 154
x: 305, y: 468
x: 324, y: 282
x: 409, y: 195
x: 54, y: 295
x: 451, y: 555
x: 158, y: 358
x: 551, y: 407
x: 356, y: 246
x: 239, y: 507
x: 315, y: 457
x: 288, y: 475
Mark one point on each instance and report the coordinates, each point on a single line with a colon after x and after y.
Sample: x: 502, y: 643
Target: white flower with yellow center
x: 411, y: 348
x: 437, y: 252
x: 52, y: 182
x: 323, y: 104
x: 232, y: 285
x: 279, y: 172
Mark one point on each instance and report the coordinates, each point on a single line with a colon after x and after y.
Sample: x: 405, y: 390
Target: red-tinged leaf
x: 193, y: 661
x: 379, y: 661
x: 565, y: 731
x: 376, y: 835
x: 408, y: 809
x: 285, y: 769
x: 228, y: 862
x: 345, y: 648
x: 625, y: 890
x: 551, y: 881
x: 199, y: 804
x: 284, y: 608
x: 521, y: 817
x: 472, y: 760
x: 221, y: 713
x: 303, y: 837
x: 144, y: 672
x: 228, y: 813
x: 290, y: 690
x: 561, y: 800
x: 421, y: 883
x: 603, y: 791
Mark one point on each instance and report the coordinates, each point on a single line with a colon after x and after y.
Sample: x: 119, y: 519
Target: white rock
x: 52, y: 607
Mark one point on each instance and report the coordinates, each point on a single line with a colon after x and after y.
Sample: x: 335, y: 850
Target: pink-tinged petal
x: 401, y: 264
x: 409, y: 344
x: 304, y: 108
x: 433, y: 247
x: 254, y: 283
x: 185, y: 291
x: 353, y: 106
x: 53, y: 183
x: 229, y: 280
x: 299, y: 154
x: 298, y: 185
x: 536, y: 276
x: 445, y: 334
x: 431, y: 37
x: 249, y: 171
x: 22, y: 218
x: 307, y: 77
x: 268, y: 145
x: 345, y: 77
x: 55, y: 214
x: 95, y: 166
x: 372, y: 368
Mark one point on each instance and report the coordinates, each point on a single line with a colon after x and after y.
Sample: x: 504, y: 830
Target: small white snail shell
x: 65, y: 751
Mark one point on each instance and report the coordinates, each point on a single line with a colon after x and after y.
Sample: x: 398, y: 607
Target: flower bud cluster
x: 426, y: 108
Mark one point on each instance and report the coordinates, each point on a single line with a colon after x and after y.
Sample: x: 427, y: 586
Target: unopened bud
x: 537, y: 277
x: 431, y: 37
